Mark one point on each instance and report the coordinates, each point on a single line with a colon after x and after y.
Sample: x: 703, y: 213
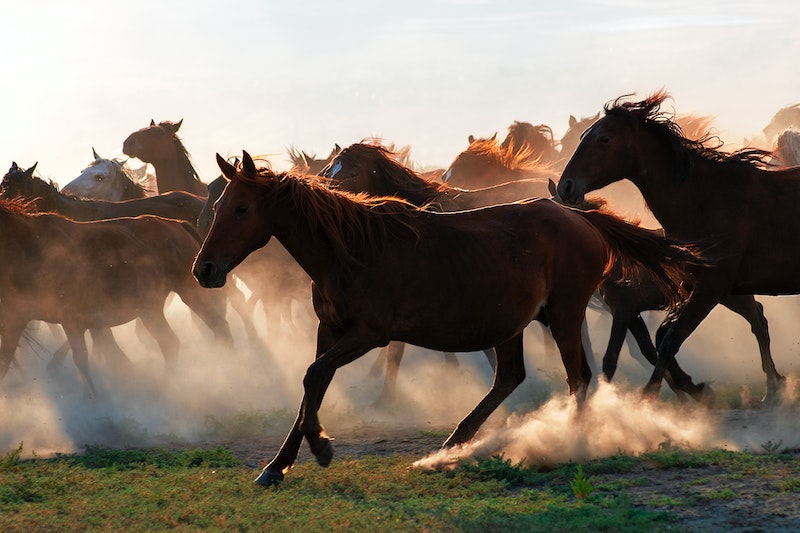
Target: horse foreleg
x: 103, y: 342
x: 509, y: 373
x: 10, y: 333
x: 169, y: 344
x: 242, y: 308
x: 80, y: 355
x: 752, y: 311
x: 273, y: 473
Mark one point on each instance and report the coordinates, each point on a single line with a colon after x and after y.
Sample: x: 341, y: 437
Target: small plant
x: 11, y: 458
x: 581, y: 485
x: 771, y: 447
x: 724, y: 494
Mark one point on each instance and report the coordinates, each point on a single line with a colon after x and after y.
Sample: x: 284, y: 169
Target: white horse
x: 109, y: 179
x: 787, y: 148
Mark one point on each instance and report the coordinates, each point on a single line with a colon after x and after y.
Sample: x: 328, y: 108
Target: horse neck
x: 312, y: 250
x: 174, y: 172
x: 677, y: 206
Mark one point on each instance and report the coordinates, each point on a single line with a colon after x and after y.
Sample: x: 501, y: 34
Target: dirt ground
x: 700, y: 499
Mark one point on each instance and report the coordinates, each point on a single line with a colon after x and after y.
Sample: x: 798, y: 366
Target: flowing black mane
x: 648, y: 113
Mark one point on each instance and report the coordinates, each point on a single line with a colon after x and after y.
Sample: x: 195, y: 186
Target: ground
x: 711, y: 498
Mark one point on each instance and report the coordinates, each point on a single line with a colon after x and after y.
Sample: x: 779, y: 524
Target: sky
x: 264, y: 76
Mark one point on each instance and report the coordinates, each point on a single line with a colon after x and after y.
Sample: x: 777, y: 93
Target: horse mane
x: 510, y: 157
x: 394, y: 176
x: 186, y: 159
x: 351, y: 222
x: 33, y: 188
x: 648, y: 113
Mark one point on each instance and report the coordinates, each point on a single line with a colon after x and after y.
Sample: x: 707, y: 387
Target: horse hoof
x: 268, y: 478
x: 707, y: 395
x: 325, y: 456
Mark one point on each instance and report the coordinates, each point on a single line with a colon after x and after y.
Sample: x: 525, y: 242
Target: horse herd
x: 455, y: 260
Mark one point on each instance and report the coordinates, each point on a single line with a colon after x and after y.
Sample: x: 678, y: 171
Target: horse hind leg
x: 168, y: 342
x: 751, y: 310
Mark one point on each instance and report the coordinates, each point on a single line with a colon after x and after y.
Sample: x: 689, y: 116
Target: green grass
x: 208, y: 489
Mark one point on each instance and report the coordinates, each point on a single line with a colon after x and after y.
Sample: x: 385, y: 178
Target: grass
x: 208, y: 489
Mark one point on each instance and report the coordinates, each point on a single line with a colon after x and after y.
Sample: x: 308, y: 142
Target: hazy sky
x: 263, y: 76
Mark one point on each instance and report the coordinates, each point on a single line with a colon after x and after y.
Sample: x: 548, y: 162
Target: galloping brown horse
x: 375, y: 170
x: 159, y: 145
x: 745, y: 216
x: 384, y: 270
x: 94, y: 275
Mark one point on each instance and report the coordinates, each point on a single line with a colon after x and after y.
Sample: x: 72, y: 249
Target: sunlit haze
x: 267, y: 76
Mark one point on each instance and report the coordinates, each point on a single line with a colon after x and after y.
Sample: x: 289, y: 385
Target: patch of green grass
x: 249, y: 424
x: 789, y: 485
x: 724, y: 494
x: 700, y: 481
x: 669, y: 501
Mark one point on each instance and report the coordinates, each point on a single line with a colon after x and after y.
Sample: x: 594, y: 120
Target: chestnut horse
x: 741, y: 213
x: 159, y: 145
x: 374, y: 169
x: 308, y: 163
x: 96, y: 275
x: 485, y: 163
x: 384, y: 270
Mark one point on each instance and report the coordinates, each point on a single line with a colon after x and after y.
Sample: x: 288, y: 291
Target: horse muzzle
x: 569, y: 192
x: 209, y: 274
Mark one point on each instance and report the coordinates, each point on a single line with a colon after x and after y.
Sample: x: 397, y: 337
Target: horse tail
x: 631, y: 247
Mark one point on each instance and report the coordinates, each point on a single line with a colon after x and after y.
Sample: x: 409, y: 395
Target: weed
x: 771, y: 447
x: 581, y: 485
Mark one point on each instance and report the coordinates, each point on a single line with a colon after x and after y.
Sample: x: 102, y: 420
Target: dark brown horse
x: 95, y: 275
x: 741, y: 213
x: 159, y: 145
x: 485, y: 163
x: 384, y: 270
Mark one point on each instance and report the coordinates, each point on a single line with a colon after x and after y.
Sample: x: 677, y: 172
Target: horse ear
x: 471, y: 139
x: 94, y: 153
x: 152, y: 122
x: 14, y: 167
x: 228, y: 170
x: 493, y: 137
x: 248, y: 165
x: 29, y: 172
x: 178, y: 125
x: 572, y: 121
x: 551, y: 186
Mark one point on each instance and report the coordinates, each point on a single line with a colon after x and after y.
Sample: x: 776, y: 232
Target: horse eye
x: 99, y: 178
x: 605, y: 139
x: 241, y: 210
